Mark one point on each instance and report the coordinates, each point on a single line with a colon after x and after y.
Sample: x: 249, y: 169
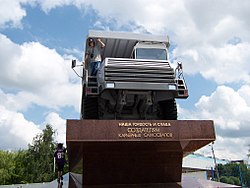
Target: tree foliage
x: 7, y: 167
x: 32, y: 165
x: 235, y: 180
x: 39, y: 158
x: 224, y: 179
x: 234, y: 174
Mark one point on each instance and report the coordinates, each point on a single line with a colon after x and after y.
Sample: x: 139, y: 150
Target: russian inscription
x: 144, y: 130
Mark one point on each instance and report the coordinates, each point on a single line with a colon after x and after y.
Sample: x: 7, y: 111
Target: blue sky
x: 39, y: 38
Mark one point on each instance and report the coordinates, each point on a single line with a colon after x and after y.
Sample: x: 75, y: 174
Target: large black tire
x: 168, y: 109
x: 90, y: 108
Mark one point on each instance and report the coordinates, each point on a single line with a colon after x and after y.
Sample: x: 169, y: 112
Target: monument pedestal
x: 134, y: 153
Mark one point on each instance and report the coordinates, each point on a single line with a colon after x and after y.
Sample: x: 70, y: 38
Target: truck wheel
x: 168, y: 109
x: 90, y: 108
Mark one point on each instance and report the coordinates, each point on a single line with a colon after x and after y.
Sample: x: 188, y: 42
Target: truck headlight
x: 172, y: 87
x: 110, y: 85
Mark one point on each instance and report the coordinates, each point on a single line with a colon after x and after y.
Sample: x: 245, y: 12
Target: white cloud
x: 211, y: 16
x: 15, y: 102
x: 244, y: 92
x: 59, y: 126
x: 155, y: 17
x: 76, y: 52
x: 39, y: 75
x: 230, y: 110
x: 33, y: 74
x: 227, y: 148
x: 16, y: 131
x: 225, y: 64
x: 47, y: 5
x: 12, y: 12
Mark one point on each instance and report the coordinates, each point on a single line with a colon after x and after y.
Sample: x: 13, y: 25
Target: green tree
x: 235, y: 180
x: 32, y: 165
x: 39, y: 157
x: 235, y: 170
x: 20, y: 166
x: 224, y: 179
x: 230, y: 181
x: 7, y: 167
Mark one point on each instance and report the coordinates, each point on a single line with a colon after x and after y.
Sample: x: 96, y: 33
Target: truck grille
x: 135, y: 70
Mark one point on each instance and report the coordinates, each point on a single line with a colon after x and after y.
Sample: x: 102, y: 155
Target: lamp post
x: 215, y: 164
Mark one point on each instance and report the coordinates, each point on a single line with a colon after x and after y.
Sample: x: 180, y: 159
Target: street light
x: 215, y: 164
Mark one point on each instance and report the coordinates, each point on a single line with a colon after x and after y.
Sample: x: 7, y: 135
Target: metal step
x: 181, y: 87
x: 180, y: 84
x: 92, y: 91
x: 92, y: 79
x: 92, y: 86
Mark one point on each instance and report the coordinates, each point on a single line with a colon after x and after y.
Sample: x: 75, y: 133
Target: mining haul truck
x: 135, y: 79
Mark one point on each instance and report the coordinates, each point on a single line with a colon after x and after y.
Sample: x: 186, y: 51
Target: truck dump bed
x: 121, y: 44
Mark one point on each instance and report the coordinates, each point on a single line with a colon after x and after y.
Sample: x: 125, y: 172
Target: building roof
x: 197, y: 161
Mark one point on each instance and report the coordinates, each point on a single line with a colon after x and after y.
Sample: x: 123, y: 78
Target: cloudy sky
x: 38, y: 39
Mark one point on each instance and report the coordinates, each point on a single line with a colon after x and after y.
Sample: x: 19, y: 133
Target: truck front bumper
x: 139, y: 86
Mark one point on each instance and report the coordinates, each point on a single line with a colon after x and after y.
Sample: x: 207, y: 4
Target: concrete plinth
x: 112, y: 153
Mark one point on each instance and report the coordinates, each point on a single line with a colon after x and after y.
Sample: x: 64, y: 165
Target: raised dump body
x: 134, y: 81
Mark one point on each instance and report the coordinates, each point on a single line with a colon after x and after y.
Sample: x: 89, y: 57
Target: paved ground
x: 52, y: 184
x: 187, y: 182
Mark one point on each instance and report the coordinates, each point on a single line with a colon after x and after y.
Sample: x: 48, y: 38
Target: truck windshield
x: 151, y: 53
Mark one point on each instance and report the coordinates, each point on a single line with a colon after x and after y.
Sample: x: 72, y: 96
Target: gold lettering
x: 163, y: 124
x: 144, y: 130
x: 158, y: 135
x: 124, y: 124
x: 144, y: 124
x: 129, y: 135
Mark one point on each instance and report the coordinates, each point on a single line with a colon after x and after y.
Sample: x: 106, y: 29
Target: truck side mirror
x: 73, y: 65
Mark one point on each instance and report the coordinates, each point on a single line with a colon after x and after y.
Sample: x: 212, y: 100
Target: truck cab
x: 150, y: 50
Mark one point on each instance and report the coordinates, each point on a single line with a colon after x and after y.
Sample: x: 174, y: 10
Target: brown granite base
x: 114, y: 152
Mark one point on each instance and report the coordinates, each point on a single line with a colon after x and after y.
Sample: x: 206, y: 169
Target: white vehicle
x: 135, y: 79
